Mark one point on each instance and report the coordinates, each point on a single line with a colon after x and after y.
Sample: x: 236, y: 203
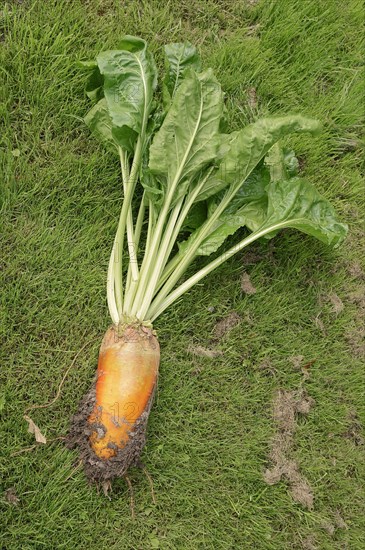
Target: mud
x: 96, y: 469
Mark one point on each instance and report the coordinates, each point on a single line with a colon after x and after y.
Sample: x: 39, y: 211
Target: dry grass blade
x: 45, y: 405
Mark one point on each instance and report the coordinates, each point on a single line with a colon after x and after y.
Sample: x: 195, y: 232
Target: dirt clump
x: 356, y: 341
x: 226, y: 324
x: 355, y: 270
x: 204, y: 352
x: 339, y: 521
x: 337, y: 303
x: 246, y: 284
x: 11, y: 497
x: 286, y: 405
x: 309, y: 543
x: 251, y: 257
x: 354, y: 431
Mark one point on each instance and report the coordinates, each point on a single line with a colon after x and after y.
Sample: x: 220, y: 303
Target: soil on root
x: 96, y: 469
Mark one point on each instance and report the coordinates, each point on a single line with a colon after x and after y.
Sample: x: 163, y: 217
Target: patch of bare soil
x: 226, y: 324
x: 246, y: 284
x: 296, y: 361
x: 97, y: 469
x: 286, y: 405
x: 328, y: 527
x: 357, y: 297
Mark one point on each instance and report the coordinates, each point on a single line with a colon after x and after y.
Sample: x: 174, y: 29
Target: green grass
x: 211, y: 425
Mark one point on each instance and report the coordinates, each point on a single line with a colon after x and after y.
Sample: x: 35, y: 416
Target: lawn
x: 226, y: 351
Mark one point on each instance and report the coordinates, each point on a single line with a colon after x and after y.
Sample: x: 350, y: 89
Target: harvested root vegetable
x: 186, y: 188
x: 112, y: 421
x: 126, y: 381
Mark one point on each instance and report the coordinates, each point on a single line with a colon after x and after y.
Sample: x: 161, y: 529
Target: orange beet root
x: 126, y: 379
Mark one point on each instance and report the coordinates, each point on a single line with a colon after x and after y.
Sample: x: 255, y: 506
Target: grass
x: 211, y: 426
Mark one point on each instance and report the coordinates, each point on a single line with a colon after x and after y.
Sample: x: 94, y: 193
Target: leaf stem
x: 131, y: 284
x: 160, y: 261
x: 129, y: 187
x: 184, y: 212
x: 159, y: 305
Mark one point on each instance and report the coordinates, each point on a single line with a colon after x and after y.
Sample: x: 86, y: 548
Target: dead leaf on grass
x: 107, y: 488
x: 246, y: 284
x: 33, y: 429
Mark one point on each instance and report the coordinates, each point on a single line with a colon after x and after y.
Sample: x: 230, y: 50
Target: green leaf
x: 196, y: 217
x: 245, y: 148
x: 241, y: 151
x: 264, y: 200
x: 283, y: 163
x: 130, y: 77
x: 154, y: 191
x: 298, y: 204
x: 178, y: 57
x: 94, y: 86
x: 215, y: 183
x: 291, y: 162
x: 188, y: 139
x: 99, y: 122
